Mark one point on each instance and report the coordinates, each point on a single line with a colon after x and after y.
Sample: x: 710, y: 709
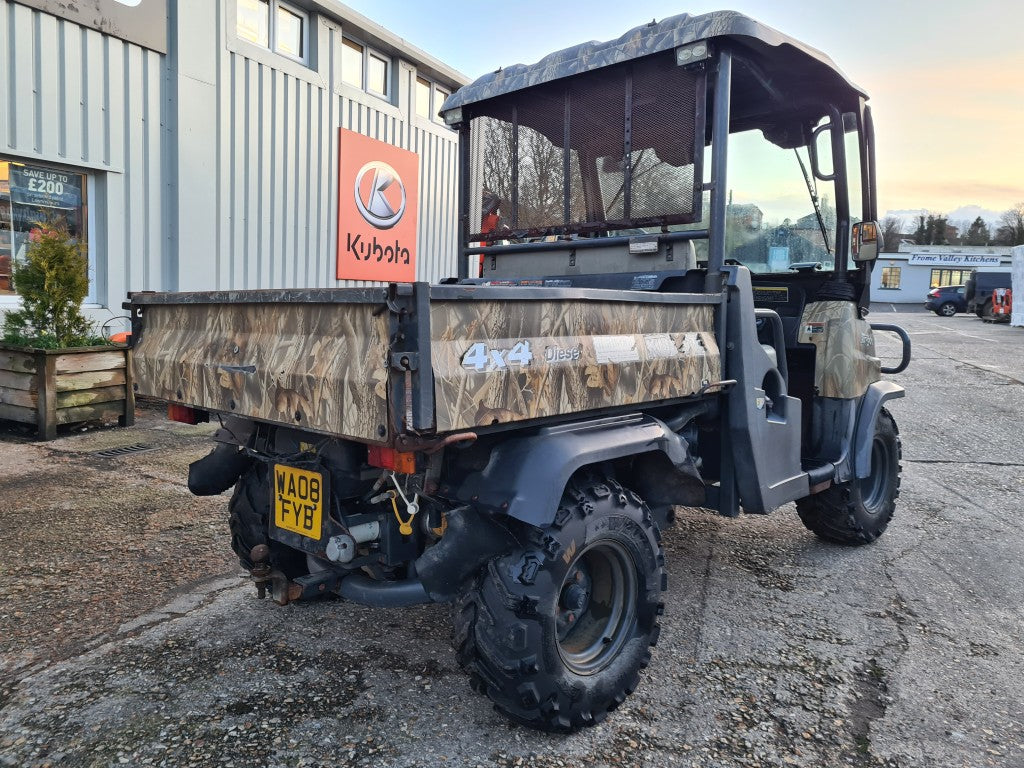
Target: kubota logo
x: 380, y: 194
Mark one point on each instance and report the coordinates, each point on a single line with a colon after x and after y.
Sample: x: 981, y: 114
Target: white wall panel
x: 215, y: 166
x: 277, y: 187
x: 74, y: 97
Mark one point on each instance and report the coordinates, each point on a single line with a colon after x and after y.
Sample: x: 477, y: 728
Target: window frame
x: 434, y: 99
x: 389, y: 70
x: 935, y: 277
x: 886, y: 273
x: 13, y: 300
x: 272, y: 31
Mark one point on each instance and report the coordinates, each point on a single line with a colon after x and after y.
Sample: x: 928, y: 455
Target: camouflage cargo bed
x: 373, y: 363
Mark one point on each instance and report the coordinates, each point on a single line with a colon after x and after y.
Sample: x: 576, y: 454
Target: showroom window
x: 32, y: 198
x: 891, y: 277
x: 429, y: 98
x: 281, y: 27
x: 949, y: 277
x: 364, y: 68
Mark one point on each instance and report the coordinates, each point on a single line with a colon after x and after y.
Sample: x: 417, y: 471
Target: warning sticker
x: 615, y: 349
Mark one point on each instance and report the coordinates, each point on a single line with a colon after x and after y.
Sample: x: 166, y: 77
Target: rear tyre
x: 858, y: 511
x: 249, y: 520
x: 948, y: 309
x: 556, y: 632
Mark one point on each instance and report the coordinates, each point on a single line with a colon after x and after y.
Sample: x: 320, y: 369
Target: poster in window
x: 45, y: 187
x: 378, y: 200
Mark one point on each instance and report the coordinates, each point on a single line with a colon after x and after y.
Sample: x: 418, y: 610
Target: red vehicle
x: 1002, y: 305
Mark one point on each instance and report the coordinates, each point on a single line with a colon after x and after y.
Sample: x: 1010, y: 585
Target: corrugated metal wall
x: 75, y: 97
x: 272, y: 148
x: 214, y: 167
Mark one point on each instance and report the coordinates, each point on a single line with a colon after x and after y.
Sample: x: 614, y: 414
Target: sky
x: 945, y: 79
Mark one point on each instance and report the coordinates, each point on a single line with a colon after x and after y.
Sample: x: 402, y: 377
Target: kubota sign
x: 377, y: 208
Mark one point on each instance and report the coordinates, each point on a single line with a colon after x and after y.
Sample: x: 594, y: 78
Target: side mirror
x: 866, y: 241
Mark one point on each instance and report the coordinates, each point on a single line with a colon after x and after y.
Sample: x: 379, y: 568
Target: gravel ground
x: 91, y: 543
x: 776, y: 649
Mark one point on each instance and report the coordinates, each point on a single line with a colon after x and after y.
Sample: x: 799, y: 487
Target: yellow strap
x: 404, y: 526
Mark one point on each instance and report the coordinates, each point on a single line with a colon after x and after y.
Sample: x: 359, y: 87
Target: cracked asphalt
x: 128, y: 635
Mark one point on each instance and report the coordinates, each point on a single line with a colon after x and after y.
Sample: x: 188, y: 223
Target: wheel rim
x: 948, y: 310
x: 596, y: 607
x: 873, y: 487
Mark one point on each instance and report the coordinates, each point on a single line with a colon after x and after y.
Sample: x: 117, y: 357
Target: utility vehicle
x: 666, y: 249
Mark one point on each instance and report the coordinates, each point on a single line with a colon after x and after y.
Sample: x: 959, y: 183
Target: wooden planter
x: 50, y: 387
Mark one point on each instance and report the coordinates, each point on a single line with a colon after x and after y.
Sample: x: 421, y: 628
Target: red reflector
x: 388, y: 458
x: 186, y: 415
x: 121, y: 338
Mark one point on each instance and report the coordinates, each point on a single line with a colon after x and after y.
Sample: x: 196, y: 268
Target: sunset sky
x: 946, y: 80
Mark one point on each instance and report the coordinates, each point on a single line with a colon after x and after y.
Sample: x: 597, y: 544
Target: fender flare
x: 525, y: 477
x: 871, y: 404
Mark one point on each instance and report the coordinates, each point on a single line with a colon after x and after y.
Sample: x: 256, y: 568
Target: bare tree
x: 892, y: 233
x: 1011, y: 226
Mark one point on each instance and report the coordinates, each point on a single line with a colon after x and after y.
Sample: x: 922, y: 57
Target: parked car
x: 979, y: 291
x: 946, y: 300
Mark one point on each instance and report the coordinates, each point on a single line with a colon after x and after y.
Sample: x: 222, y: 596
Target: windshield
x: 778, y: 215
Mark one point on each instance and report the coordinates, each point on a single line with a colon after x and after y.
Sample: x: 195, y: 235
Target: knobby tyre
x: 557, y: 631
x: 249, y: 520
x: 859, y: 510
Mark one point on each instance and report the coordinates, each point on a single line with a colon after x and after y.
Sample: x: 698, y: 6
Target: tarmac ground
x: 130, y: 636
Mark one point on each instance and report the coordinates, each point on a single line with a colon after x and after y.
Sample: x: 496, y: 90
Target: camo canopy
x: 806, y: 70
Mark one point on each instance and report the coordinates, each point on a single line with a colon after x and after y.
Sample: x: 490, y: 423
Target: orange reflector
x: 388, y: 458
x: 186, y: 415
x: 121, y: 338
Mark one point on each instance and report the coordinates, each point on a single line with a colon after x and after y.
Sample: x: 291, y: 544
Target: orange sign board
x: 378, y: 200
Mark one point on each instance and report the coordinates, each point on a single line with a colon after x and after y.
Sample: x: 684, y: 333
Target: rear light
x: 388, y: 458
x: 934, y: 293
x: 187, y: 415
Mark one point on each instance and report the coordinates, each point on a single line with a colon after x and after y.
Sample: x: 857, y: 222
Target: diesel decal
x: 562, y: 355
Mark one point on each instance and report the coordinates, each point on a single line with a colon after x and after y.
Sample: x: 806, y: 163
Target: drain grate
x: 123, y: 450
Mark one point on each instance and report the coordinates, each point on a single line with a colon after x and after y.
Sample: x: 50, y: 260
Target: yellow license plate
x: 298, y: 500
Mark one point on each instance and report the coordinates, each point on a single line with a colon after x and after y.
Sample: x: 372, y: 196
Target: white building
x: 907, y: 276
x: 198, y: 144
x: 1017, y: 318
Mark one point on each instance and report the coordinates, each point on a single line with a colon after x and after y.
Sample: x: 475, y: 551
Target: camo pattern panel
x: 845, y: 360
x: 518, y: 360
x: 321, y: 367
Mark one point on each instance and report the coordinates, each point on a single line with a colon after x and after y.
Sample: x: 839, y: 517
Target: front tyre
x: 859, y: 510
x: 557, y: 631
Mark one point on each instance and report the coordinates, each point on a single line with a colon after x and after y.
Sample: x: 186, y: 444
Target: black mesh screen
x: 611, y: 150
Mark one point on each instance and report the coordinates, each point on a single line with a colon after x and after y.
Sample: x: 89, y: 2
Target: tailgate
x: 315, y: 360
x: 514, y: 354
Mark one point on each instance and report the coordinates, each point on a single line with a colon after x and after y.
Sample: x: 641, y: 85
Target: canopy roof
x: 779, y: 57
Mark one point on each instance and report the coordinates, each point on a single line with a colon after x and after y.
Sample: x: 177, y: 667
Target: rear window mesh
x: 611, y: 150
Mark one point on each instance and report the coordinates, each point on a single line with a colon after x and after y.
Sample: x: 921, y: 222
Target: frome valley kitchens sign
x: 378, y: 201
x: 954, y: 260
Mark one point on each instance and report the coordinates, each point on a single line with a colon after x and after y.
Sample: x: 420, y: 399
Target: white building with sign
x: 907, y: 276
x: 194, y: 144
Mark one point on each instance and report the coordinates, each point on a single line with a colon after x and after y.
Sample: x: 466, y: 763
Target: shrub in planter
x: 54, y: 367
x: 52, y: 282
